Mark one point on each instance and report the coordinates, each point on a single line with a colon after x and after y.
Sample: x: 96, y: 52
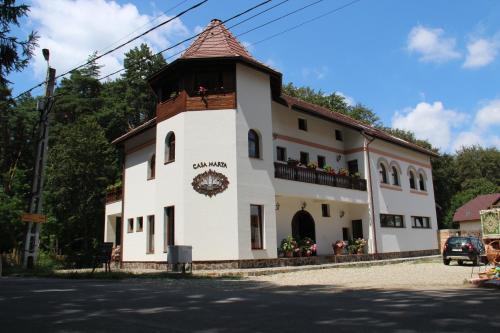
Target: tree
x: 14, y: 53
x: 333, y: 101
x: 80, y: 166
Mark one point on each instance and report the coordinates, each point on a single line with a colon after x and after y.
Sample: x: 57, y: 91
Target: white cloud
x: 318, y: 73
x: 431, y: 45
x: 73, y: 30
x: 488, y: 115
x: 348, y: 99
x: 432, y: 122
x: 467, y: 138
x: 481, y: 52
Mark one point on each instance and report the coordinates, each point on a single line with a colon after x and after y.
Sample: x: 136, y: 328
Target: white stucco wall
x: 403, y: 201
x: 255, y: 176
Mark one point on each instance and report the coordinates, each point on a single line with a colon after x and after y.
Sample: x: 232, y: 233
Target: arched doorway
x: 303, y: 226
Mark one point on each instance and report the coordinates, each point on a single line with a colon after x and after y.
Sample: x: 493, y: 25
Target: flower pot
x: 289, y: 254
x: 338, y: 250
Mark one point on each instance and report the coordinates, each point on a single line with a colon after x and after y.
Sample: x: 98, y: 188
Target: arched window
x: 170, y: 147
x: 152, y: 167
x: 383, y: 173
x: 253, y: 144
x: 395, y: 176
x: 421, y: 182
x: 412, y: 180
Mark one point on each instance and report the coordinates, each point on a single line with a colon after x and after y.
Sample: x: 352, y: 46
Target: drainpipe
x: 366, y: 146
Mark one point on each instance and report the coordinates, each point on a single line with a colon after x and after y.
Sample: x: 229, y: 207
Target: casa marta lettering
x: 212, y: 164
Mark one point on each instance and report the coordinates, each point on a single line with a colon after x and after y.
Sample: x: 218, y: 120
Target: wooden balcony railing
x: 184, y: 102
x: 113, y: 195
x: 305, y: 175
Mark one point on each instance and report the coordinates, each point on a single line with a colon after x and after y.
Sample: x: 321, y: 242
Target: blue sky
x: 432, y: 67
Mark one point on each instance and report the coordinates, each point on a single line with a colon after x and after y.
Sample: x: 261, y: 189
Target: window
x: 420, y: 222
x: 281, y: 154
x: 352, y: 166
x: 152, y: 167
x: 168, y: 227
x: 321, y: 161
x: 256, y: 226
x: 170, y: 147
x: 253, y: 144
x: 338, y: 135
x: 139, y: 224
x: 383, y: 173
x: 302, y: 124
x: 304, y: 158
x: 391, y: 221
x: 395, y: 176
x: 325, y: 210
x: 421, y: 182
x: 412, y: 181
x: 130, y: 225
x: 151, y: 234
x: 345, y: 234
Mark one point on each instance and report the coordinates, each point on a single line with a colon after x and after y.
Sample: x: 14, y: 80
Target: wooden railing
x: 113, y: 195
x: 312, y: 176
x: 184, y: 102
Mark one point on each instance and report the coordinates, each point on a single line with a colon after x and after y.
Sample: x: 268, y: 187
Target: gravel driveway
x: 415, y: 275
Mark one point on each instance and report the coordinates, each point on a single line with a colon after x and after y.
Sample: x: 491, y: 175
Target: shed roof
x: 470, y: 211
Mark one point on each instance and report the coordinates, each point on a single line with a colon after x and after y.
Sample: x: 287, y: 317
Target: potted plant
x: 328, y: 169
x: 338, y: 247
x: 355, y: 175
x: 312, y: 165
x: 361, y: 243
x: 288, y: 246
x: 343, y: 172
x: 307, y: 247
x: 292, y: 162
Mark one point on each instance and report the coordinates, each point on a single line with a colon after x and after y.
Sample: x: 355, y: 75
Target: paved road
x: 57, y: 305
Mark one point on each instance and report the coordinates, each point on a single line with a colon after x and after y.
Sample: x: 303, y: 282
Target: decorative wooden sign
x: 490, y: 221
x: 210, y: 183
x: 35, y: 218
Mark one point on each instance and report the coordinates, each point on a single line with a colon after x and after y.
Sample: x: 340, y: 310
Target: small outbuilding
x: 468, y: 215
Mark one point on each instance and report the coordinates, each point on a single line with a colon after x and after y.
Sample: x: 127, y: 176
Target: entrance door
x: 357, y: 229
x: 303, y: 226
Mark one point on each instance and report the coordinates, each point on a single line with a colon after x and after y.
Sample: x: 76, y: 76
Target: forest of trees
x: 89, y: 114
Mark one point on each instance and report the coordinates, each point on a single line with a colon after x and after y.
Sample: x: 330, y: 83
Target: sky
x: 432, y: 67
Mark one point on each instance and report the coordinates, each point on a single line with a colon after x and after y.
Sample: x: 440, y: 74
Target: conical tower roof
x: 216, y: 41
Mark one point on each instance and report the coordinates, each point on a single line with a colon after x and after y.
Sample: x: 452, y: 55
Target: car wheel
x: 460, y: 262
x: 446, y: 261
x: 475, y: 261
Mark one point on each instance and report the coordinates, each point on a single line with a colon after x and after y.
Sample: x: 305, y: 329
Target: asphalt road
x: 160, y: 305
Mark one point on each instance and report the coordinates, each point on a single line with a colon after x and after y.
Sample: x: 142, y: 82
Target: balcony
x: 114, y: 194
x: 311, y: 176
x: 184, y: 102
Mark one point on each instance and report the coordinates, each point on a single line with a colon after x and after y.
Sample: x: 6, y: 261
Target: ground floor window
x: 281, y: 154
x: 391, y: 221
x: 420, y: 222
x: 140, y: 224
x: 256, y: 226
x: 130, y: 225
x: 169, y: 228
x: 151, y: 234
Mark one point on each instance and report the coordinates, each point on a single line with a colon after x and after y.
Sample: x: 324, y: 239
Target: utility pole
x: 43, y: 106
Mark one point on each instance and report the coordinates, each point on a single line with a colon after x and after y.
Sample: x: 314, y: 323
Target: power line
x: 192, y: 37
x: 305, y: 22
x: 120, y: 46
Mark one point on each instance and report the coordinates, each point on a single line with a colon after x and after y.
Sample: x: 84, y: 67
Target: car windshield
x: 457, y: 240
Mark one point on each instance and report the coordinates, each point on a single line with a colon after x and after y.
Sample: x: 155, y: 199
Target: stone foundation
x: 282, y: 262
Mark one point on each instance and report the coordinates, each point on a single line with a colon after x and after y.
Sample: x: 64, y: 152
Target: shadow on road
x: 236, y: 306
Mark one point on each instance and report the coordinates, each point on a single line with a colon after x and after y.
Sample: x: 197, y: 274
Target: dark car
x: 467, y: 248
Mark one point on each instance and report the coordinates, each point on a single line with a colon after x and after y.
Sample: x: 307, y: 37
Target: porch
x: 324, y: 221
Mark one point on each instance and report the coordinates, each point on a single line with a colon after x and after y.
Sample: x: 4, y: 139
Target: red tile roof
x: 351, y: 122
x: 470, y: 211
x: 216, y: 41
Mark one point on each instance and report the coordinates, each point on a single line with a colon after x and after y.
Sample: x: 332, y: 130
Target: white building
x: 211, y: 169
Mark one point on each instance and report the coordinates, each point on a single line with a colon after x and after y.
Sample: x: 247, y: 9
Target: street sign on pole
x: 35, y: 218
